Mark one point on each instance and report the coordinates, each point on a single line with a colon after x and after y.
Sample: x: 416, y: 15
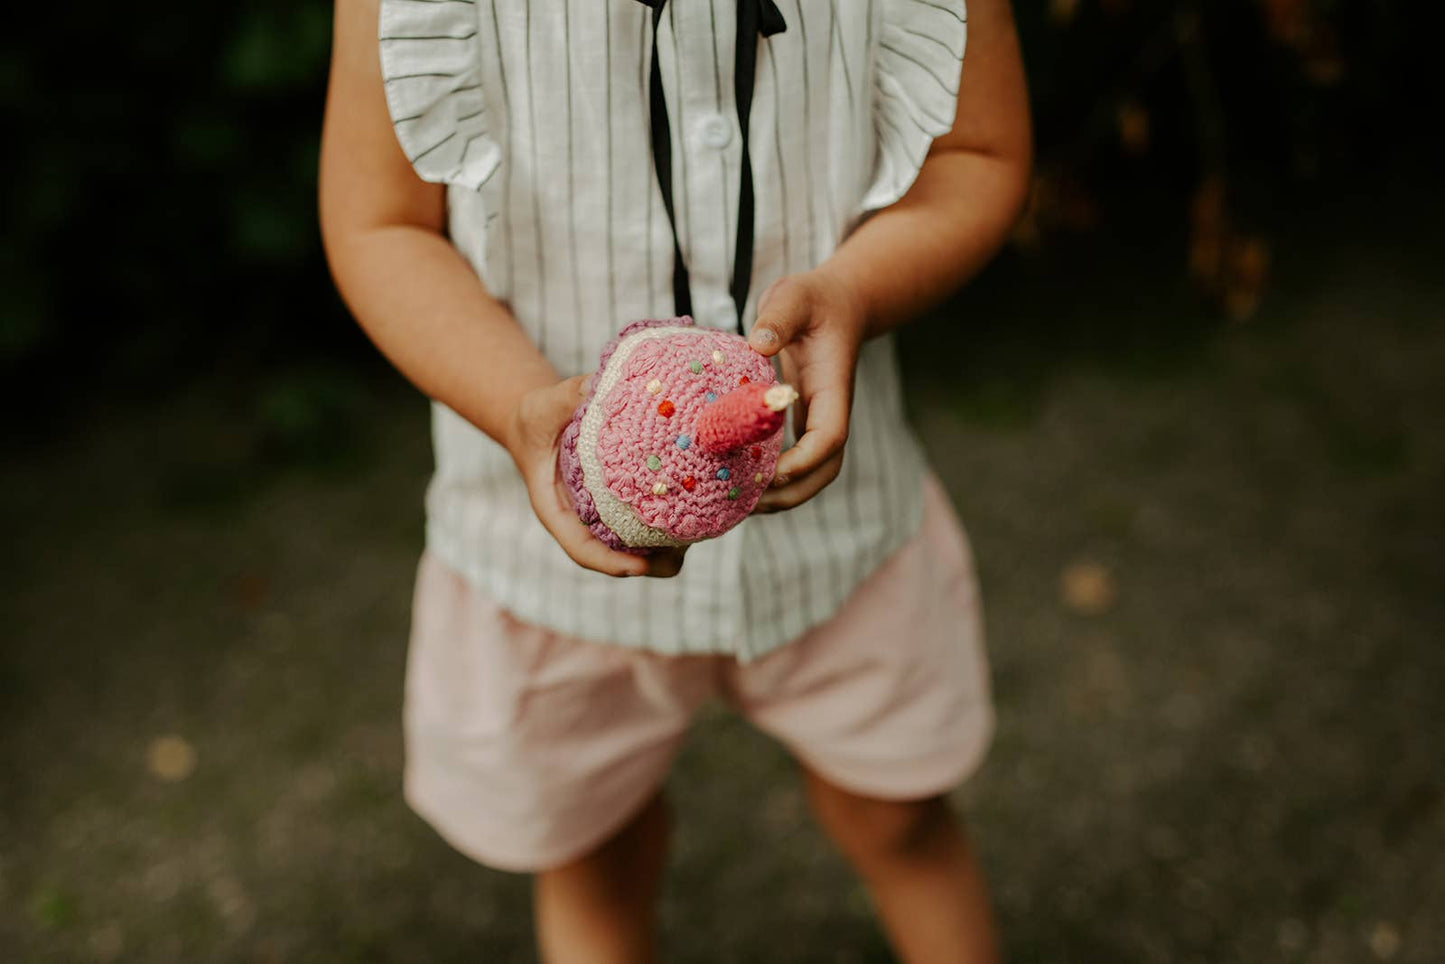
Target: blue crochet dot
x: 723, y: 472
x: 711, y: 396
x: 683, y: 441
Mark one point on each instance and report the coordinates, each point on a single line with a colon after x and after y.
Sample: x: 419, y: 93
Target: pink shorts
x: 527, y: 749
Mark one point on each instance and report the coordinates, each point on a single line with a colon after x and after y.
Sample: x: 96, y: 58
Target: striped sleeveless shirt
x: 535, y: 115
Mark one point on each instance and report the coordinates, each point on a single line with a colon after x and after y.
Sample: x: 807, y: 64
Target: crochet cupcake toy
x: 678, y: 437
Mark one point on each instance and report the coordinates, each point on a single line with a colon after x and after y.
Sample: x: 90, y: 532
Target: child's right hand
x: 534, y: 440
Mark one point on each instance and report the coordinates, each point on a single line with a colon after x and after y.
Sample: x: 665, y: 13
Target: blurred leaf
x: 207, y: 141
x: 1246, y: 275
x: 278, y: 52
x: 1207, y: 233
x: 1321, y: 59
x: 1285, y: 20
x: 1057, y: 202
x: 1133, y: 122
x: 1062, y: 12
x: 52, y: 908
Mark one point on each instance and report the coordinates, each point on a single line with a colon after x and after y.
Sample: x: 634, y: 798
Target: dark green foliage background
x: 161, y: 203
x: 159, y: 206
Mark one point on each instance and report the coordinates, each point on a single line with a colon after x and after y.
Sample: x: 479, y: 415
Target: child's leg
x: 890, y: 699
x: 918, y: 868
x: 599, y: 908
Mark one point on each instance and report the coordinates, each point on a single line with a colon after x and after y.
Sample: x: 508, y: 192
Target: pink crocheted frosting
x: 684, y: 442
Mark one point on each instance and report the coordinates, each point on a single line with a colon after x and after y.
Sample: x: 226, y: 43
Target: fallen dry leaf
x: 170, y: 758
x: 1385, y: 940
x: 1285, y: 20
x: 1245, y: 277
x: 1133, y: 123
x: 1088, y: 588
x: 1207, y: 224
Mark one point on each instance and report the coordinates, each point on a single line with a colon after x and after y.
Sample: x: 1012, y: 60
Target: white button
x: 714, y: 131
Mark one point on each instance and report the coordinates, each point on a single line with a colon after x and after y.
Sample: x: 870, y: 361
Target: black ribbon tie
x: 755, y: 18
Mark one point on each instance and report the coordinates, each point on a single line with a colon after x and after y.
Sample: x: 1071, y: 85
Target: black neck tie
x: 755, y: 17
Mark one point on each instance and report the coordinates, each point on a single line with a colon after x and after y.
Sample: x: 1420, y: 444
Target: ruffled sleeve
x: 919, y: 55
x: 432, y: 72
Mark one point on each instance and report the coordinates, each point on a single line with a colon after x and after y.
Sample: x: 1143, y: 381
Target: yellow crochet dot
x: 653, y: 387
x: 660, y: 489
x: 758, y: 477
x: 717, y: 357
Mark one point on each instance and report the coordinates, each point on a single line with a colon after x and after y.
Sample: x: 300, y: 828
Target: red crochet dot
x: 689, y: 483
x: 666, y: 409
x: 744, y: 380
x: 756, y: 451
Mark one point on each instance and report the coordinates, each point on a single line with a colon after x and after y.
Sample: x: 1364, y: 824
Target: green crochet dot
x: 733, y: 492
x: 695, y: 367
x: 654, y: 463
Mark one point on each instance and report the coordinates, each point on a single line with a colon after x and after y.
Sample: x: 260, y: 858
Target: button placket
x: 755, y: 18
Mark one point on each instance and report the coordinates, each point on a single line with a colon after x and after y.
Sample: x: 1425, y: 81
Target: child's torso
x: 537, y: 116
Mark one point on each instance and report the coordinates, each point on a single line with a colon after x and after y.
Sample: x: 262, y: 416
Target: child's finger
x: 585, y: 548
x: 588, y: 551
x: 827, y: 433
x: 784, y: 313
x: 790, y: 376
x: 803, y: 488
x: 666, y: 563
x: 561, y: 400
x: 576, y: 540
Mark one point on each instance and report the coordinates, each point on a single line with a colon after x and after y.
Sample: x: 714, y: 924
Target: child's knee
x: 871, y: 830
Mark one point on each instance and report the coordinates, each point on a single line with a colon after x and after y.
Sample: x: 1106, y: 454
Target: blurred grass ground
x: 1238, y: 761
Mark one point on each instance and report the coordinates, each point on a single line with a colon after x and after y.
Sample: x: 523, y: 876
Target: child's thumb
x: 561, y: 400
x: 782, y: 315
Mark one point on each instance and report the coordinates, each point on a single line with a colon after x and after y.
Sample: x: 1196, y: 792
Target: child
x: 505, y: 184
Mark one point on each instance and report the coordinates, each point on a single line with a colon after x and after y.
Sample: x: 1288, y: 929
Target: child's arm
x: 905, y: 258
x: 423, y: 305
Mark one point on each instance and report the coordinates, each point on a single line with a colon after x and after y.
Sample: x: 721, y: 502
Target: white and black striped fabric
x: 535, y: 114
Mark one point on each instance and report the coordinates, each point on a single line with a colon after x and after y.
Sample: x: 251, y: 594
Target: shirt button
x: 714, y: 131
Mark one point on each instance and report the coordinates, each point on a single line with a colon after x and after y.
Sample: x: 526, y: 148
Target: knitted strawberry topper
x: 678, y: 437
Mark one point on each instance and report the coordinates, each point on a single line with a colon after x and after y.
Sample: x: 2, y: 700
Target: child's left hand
x: 816, y: 323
